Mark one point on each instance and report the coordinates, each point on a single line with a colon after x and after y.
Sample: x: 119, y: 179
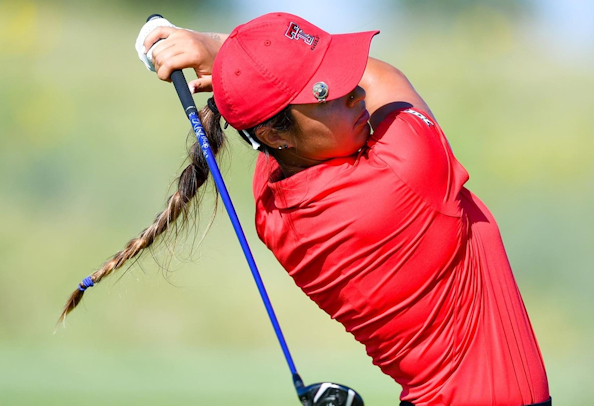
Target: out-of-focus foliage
x: 90, y: 142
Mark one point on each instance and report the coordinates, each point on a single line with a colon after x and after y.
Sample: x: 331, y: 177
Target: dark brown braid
x: 189, y: 183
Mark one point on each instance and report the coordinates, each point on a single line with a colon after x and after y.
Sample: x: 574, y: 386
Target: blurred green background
x: 90, y: 142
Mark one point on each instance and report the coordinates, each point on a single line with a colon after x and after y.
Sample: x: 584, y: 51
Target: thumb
x: 202, y: 84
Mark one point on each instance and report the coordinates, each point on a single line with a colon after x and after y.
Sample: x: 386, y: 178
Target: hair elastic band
x: 212, y: 106
x: 255, y: 144
x: 86, y: 283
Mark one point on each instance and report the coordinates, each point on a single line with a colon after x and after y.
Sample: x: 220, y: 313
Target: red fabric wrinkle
x: 393, y: 246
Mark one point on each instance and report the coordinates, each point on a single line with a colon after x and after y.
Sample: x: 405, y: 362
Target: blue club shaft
x: 181, y: 86
x: 220, y: 184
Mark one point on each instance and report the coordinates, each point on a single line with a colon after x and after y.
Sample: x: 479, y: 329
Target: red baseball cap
x: 280, y: 59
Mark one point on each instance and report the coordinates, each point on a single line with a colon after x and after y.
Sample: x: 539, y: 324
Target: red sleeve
x: 416, y: 149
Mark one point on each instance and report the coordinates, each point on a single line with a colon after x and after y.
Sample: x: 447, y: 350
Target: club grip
x: 183, y: 92
x: 180, y: 83
x: 153, y: 16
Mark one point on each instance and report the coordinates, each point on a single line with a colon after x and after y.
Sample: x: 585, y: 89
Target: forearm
x: 388, y: 89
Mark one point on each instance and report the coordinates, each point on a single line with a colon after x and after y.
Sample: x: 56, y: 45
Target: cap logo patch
x: 296, y: 33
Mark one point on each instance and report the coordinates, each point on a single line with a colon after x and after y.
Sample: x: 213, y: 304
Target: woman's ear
x: 273, y: 138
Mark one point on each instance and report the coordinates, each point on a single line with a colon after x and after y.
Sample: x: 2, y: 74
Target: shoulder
x: 388, y: 90
x: 405, y: 122
x: 412, y: 143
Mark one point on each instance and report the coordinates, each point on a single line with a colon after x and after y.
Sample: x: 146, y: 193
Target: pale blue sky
x: 565, y: 27
x: 334, y: 16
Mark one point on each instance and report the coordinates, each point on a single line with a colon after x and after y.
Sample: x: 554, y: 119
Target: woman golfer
x: 362, y: 201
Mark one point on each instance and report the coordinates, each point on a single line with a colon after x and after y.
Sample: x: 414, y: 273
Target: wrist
x: 218, y: 37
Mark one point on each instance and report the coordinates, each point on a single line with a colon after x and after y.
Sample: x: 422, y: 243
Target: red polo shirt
x: 389, y: 243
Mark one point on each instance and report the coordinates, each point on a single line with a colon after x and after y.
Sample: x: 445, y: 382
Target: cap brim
x: 342, y: 67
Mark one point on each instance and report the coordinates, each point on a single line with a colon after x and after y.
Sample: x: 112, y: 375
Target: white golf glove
x: 147, y: 56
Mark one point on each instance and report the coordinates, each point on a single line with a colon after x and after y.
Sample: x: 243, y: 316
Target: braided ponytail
x: 189, y: 183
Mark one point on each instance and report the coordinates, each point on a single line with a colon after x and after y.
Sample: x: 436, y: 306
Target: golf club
x: 318, y: 394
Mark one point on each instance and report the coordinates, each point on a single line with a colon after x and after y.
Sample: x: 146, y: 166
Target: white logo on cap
x: 296, y: 33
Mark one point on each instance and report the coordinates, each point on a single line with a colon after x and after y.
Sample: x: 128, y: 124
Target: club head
x: 329, y: 394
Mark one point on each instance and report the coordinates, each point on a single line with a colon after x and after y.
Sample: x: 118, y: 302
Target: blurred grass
x: 170, y: 376
x: 89, y: 141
